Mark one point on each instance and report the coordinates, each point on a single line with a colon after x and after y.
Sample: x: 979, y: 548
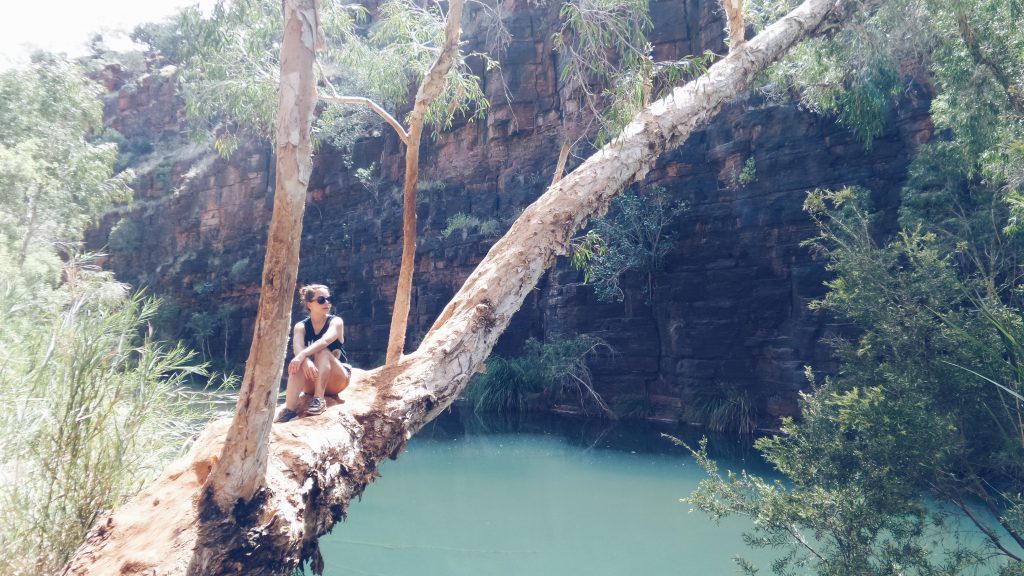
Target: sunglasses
x: 322, y: 299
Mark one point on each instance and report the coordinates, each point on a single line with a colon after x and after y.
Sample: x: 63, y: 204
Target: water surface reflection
x: 540, y: 495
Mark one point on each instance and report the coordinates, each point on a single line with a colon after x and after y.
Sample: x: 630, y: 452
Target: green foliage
x: 202, y: 325
x: 854, y: 73
x: 505, y: 386
x: 229, y: 65
x: 606, y: 61
x: 54, y: 182
x: 632, y: 238
x: 927, y: 405
x: 163, y: 37
x: 167, y: 321
x: 204, y: 288
x: 430, y: 186
x: 125, y: 236
x: 555, y: 367
x: 227, y: 319
x: 370, y: 181
x: 459, y: 221
x: 859, y: 94
x: 229, y: 72
x: 489, y: 227
x: 464, y: 222
x: 93, y: 408
x: 238, y: 269
x: 92, y: 405
x: 725, y: 408
x: 401, y: 47
x: 748, y: 175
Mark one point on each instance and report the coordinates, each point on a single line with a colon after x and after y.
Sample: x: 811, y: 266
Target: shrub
x: 556, y: 367
x: 125, y: 236
x: 93, y: 408
x: 506, y: 386
x: 725, y: 408
x: 459, y: 221
x: 238, y: 269
x: 489, y: 227
x: 632, y: 238
x: 748, y: 174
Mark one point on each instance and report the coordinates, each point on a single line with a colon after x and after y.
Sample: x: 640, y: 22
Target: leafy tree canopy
x: 54, y: 179
x: 928, y: 401
x: 229, y: 72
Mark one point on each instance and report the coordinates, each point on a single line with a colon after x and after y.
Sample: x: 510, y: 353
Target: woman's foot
x: 285, y: 415
x: 316, y: 406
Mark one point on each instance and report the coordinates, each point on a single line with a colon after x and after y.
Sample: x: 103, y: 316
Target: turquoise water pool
x: 544, y: 496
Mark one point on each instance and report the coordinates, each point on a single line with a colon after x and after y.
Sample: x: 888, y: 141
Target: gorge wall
x: 729, y: 310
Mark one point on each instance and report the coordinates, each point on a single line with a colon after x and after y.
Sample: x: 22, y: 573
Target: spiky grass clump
x: 91, y: 409
x: 557, y: 366
x: 726, y: 408
x: 506, y: 386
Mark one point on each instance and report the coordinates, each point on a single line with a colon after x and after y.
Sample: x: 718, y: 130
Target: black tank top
x: 313, y: 337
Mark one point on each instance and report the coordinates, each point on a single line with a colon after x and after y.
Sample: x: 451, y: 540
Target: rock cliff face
x: 729, y: 310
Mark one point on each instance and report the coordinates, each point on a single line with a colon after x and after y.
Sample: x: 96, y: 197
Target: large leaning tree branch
x: 318, y: 465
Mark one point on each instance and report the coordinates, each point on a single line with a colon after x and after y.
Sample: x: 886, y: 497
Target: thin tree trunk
x: 27, y: 240
x: 243, y: 461
x: 318, y: 465
x: 429, y: 90
x: 563, y: 156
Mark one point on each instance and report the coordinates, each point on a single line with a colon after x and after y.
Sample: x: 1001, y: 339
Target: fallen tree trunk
x: 318, y: 465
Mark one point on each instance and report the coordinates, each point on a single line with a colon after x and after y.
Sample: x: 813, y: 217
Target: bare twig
x: 560, y: 168
x: 361, y: 101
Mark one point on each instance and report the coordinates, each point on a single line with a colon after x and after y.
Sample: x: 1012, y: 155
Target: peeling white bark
x: 318, y: 464
x: 243, y: 461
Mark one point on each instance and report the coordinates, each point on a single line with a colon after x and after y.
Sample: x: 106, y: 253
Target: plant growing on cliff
x: 125, y: 235
x: 459, y: 221
x: 556, y: 367
x: 463, y: 222
x: 632, y: 238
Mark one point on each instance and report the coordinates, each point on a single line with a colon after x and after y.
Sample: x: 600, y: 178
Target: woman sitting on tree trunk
x: 317, y: 367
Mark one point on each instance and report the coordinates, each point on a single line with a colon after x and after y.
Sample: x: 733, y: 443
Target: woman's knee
x: 322, y: 360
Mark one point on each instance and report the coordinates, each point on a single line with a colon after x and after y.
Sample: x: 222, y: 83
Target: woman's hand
x: 309, y: 369
x: 300, y: 362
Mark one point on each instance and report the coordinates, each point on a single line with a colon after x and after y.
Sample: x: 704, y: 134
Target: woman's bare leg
x: 296, y: 384
x: 334, y: 375
x: 338, y: 377
x: 323, y: 365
